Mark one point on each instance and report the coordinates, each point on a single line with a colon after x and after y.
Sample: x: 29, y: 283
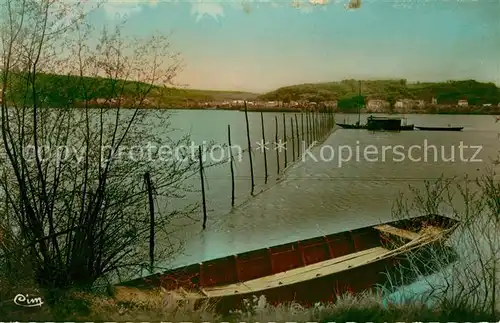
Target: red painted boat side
x: 276, y: 259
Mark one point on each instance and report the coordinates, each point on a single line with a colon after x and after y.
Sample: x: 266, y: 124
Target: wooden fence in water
x: 315, y: 126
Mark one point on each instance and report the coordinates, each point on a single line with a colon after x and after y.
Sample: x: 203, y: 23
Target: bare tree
x: 73, y: 160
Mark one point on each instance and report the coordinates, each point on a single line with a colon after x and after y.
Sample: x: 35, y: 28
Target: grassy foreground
x: 80, y: 306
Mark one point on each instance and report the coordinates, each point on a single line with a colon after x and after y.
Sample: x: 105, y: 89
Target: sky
x: 258, y: 46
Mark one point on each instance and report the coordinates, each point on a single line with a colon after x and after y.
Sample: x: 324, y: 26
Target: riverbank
x: 251, y: 108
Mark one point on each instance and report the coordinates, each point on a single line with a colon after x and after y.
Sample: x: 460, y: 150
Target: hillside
x: 446, y: 92
x: 57, y: 89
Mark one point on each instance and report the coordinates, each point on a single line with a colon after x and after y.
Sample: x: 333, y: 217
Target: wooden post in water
x: 275, y: 143
x: 297, y: 133
x: 320, y: 124
x: 316, y: 125
x: 329, y: 118
x: 302, y: 126
x: 293, y: 140
x: 318, y: 113
x: 285, y: 140
x: 264, y: 146
x: 149, y: 186
x: 308, y: 134
x: 249, y: 149
x: 231, y: 163
x: 323, y: 118
x: 323, y: 115
x: 310, y: 130
x: 311, y: 126
x: 311, y: 120
x: 202, y: 190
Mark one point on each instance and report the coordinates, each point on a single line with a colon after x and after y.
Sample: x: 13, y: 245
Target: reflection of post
x: 264, y: 147
x: 203, y: 190
x: 231, y: 163
x: 249, y: 149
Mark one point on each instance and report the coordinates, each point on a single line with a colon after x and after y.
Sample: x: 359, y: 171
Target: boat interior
x: 290, y: 263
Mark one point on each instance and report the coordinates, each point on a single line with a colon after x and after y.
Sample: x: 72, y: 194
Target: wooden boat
x: 440, y: 128
x: 307, y: 271
x: 383, y: 123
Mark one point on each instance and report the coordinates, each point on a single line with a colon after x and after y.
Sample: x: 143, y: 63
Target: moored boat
x: 358, y: 124
x: 440, y: 128
x: 306, y: 271
x: 383, y: 123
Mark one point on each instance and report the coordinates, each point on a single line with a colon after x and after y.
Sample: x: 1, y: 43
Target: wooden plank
x: 293, y: 276
x: 397, y: 232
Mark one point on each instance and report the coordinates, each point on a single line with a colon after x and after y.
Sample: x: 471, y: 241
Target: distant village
x: 372, y: 105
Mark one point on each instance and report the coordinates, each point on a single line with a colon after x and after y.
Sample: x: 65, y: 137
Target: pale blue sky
x: 272, y: 45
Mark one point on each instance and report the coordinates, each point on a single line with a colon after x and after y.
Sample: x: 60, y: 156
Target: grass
x: 367, y: 307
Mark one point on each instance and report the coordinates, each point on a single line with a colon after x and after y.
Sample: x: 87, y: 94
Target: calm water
x: 323, y: 196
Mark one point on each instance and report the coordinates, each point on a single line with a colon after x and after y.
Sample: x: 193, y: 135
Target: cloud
x: 207, y: 9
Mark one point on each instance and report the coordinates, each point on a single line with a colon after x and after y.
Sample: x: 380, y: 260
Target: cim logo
x: 26, y: 301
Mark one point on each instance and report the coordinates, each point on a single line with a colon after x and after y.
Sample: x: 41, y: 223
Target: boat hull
x: 407, y: 127
x: 350, y: 126
x: 306, y: 293
x: 306, y: 271
x: 440, y: 128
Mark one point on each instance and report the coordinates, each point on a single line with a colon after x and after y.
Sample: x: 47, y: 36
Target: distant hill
x: 56, y: 89
x: 445, y: 92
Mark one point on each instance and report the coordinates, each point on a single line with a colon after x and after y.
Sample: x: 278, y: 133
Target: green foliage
x: 351, y: 103
x: 59, y: 90
x: 345, y: 91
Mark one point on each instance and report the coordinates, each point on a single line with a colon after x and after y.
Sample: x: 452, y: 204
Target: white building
x: 434, y: 101
x: 331, y: 104
x: 377, y: 105
x: 463, y: 103
x: 271, y: 104
x: 409, y: 104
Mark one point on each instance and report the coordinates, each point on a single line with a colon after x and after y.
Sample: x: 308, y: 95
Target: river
x: 320, y: 194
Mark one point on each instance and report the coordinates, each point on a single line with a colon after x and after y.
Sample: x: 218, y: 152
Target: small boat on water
x: 358, y: 124
x: 387, y: 124
x: 440, y: 128
x: 306, y: 271
x: 379, y: 124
